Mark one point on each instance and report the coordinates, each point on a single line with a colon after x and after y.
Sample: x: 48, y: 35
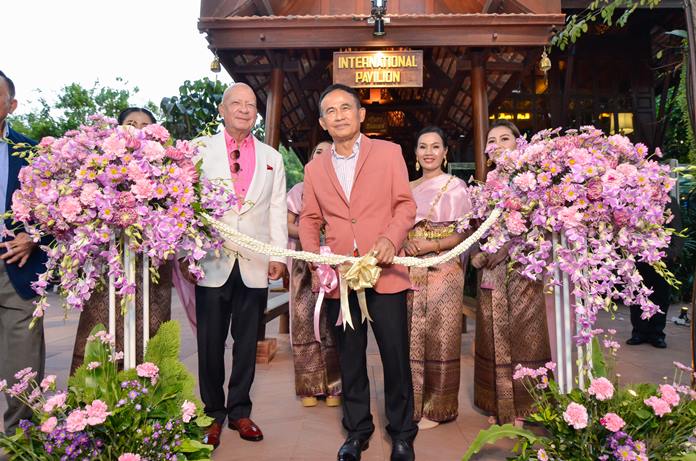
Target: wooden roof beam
x: 294, y: 32
x: 287, y: 66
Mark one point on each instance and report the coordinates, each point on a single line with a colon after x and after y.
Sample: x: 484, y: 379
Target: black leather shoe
x: 659, y: 343
x: 402, y: 451
x: 352, y: 449
x: 634, y: 341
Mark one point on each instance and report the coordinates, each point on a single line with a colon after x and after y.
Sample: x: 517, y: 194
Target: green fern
x: 495, y: 433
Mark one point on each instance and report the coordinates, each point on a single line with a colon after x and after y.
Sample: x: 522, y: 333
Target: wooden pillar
x: 274, y: 105
x: 479, y: 97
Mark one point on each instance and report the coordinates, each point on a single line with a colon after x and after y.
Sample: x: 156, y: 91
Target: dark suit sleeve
x: 403, y: 205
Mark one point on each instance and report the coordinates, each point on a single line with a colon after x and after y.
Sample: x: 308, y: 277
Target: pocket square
x: 269, y: 167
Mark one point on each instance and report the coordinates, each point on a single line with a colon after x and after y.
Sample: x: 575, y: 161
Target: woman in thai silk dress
x: 96, y: 309
x: 511, y: 323
x: 316, y: 364
x: 435, y: 300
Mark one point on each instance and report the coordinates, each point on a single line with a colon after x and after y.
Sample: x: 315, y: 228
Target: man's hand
x: 183, y: 265
x: 497, y: 258
x: 479, y: 260
x: 275, y: 270
x: 19, y: 249
x: 384, y: 251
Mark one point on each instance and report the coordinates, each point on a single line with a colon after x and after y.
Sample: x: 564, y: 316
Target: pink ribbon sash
x: 328, y: 281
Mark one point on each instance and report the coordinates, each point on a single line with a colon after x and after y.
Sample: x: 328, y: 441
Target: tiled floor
x: 313, y: 434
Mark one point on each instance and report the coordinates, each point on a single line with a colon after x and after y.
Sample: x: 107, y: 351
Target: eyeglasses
x: 234, y: 157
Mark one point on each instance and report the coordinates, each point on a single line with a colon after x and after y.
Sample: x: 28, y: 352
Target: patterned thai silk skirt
x: 96, y: 311
x: 511, y: 329
x: 316, y: 364
x: 435, y: 326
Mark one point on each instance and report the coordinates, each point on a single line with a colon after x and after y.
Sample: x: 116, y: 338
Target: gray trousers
x: 20, y: 347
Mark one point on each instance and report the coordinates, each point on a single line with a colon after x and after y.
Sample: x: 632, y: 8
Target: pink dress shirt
x: 247, y: 163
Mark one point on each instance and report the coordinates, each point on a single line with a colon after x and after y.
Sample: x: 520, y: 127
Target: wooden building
x: 479, y: 60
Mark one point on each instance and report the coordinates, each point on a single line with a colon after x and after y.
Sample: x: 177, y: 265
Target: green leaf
x: 681, y: 33
x: 192, y: 446
x: 599, y: 363
x: 495, y: 433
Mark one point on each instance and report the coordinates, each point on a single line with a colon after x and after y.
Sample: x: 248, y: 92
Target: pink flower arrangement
x: 601, y: 388
x: 575, y: 415
x: 97, y: 184
x: 612, y: 422
x: 603, y: 193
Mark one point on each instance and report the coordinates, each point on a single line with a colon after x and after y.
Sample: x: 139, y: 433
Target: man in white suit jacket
x: 233, y: 294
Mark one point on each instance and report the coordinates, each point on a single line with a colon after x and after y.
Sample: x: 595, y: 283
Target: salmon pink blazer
x: 380, y: 205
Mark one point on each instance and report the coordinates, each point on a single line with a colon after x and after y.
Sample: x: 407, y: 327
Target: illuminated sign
x: 374, y: 69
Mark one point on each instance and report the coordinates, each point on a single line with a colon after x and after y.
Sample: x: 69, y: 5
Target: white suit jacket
x: 263, y: 215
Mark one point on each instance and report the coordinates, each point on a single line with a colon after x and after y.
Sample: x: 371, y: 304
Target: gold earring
x: 417, y: 166
x: 445, y: 163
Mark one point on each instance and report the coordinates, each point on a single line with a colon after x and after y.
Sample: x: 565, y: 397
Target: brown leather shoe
x: 247, y: 429
x: 212, y: 434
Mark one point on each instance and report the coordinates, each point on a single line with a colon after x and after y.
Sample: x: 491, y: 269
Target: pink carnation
x: 188, y: 411
x: 659, y: 406
x: 148, y: 370
x: 76, y: 421
x: 96, y: 412
x: 48, y: 382
x: 601, y: 388
x: 575, y: 415
x: 525, y: 181
x: 515, y: 223
x: 89, y: 194
x: 594, y: 188
x: 69, y: 207
x: 669, y: 394
x: 130, y: 456
x: 157, y: 131
x: 48, y: 425
x: 143, y: 189
x: 613, y: 422
x: 153, y: 151
x: 57, y: 401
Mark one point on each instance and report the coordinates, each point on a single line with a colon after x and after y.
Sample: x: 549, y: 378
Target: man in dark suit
x: 652, y: 330
x: 22, y: 261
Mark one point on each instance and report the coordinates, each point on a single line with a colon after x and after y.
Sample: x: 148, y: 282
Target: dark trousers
x: 388, y: 312
x: 653, y: 328
x: 238, y: 309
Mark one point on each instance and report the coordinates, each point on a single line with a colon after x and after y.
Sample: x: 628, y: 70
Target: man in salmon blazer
x: 360, y: 194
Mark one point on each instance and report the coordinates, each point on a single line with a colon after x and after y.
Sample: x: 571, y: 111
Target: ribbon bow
x: 328, y: 281
x: 362, y: 274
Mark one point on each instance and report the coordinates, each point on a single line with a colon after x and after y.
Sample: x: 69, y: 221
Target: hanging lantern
x: 544, y: 62
x: 215, y: 64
